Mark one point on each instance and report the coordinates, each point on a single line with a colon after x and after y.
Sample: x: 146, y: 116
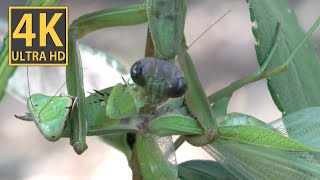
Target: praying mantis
x: 191, y: 116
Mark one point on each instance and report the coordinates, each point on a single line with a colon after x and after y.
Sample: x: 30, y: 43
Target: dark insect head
x: 136, y: 73
x: 178, y: 87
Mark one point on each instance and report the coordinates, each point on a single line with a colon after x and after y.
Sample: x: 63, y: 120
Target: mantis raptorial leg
x: 167, y: 20
x: 75, y: 87
x: 130, y: 15
x: 196, y: 99
x: 80, y: 27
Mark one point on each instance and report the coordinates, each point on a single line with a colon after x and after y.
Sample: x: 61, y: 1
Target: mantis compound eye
x: 136, y: 73
x: 178, y: 87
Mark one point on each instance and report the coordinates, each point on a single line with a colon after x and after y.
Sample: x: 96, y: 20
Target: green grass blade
x: 43, y: 2
x: 6, y: 71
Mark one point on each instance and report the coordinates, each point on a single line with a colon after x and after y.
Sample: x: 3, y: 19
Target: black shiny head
x: 178, y: 88
x: 136, y: 73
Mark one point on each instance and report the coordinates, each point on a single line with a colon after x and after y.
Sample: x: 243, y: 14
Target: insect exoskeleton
x: 160, y: 79
x: 50, y: 114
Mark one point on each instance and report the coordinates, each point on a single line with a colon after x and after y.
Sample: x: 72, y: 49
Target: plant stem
x: 179, y: 142
x: 135, y: 167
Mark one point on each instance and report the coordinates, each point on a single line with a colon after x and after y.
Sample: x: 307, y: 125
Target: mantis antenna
x: 49, y: 99
x: 209, y: 28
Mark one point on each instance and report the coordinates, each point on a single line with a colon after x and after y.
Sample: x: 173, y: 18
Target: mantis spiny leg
x: 130, y: 15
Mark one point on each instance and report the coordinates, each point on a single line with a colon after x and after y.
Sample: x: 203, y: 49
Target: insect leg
x: 196, y: 99
x: 123, y: 16
x: 130, y: 15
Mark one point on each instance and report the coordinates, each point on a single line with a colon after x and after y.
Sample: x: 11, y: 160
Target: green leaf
x: 6, y: 71
x: 203, y: 170
x: 42, y: 2
x: 297, y: 88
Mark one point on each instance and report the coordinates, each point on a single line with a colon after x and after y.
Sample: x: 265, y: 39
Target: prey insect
x: 160, y: 78
x: 155, y: 80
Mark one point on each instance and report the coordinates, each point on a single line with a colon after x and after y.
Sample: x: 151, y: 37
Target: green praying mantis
x: 139, y: 108
x: 50, y: 114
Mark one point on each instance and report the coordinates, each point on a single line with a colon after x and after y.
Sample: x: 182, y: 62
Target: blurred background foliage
x: 223, y: 55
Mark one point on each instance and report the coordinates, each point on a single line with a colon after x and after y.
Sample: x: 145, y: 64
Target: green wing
x: 247, y: 161
x: 50, y: 113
